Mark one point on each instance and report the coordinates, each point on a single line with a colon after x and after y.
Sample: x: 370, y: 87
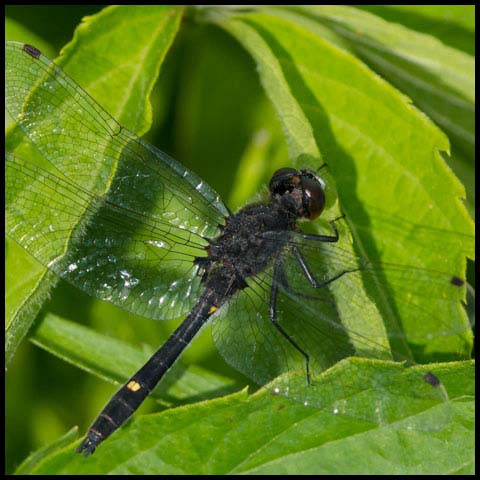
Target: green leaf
x: 263, y: 434
x: 121, y: 76
x: 454, y: 25
x: 125, y: 47
x: 366, y: 130
x: 114, y: 361
x: 439, y: 79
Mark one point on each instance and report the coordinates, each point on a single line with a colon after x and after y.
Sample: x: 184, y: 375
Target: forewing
x: 89, y: 147
x: 114, y: 216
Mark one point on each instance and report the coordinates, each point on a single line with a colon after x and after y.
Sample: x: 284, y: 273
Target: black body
x: 242, y: 250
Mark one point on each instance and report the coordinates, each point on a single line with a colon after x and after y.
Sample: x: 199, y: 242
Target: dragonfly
x: 121, y: 220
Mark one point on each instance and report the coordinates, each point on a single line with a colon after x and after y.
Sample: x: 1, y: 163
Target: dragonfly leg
x: 283, y: 282
x: 313, y: 281
x: 323, y: 238
x: 277, y: 279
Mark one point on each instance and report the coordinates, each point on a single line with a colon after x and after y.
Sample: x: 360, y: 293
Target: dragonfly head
x: 300, y: 191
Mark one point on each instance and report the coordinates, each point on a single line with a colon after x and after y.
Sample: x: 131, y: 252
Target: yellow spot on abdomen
x: 134, y: 386
x: 213, y: 309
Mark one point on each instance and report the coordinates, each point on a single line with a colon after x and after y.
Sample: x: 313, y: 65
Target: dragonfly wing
x: 421, y: 309
x: 138, y: 263
x: 109, y: 201
x: 245, y: 335
x: 89, y: 147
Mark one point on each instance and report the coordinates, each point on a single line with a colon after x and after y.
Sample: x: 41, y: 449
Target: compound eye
x: 314, y: 196
x: 283, y: 180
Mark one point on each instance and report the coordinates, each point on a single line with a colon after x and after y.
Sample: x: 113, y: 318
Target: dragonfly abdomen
x: 130, y: 396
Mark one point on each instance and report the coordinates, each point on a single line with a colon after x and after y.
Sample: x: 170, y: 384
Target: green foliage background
x: 210, y: 112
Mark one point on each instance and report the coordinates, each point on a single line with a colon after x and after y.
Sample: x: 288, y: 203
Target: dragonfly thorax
x: 246, y: 246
